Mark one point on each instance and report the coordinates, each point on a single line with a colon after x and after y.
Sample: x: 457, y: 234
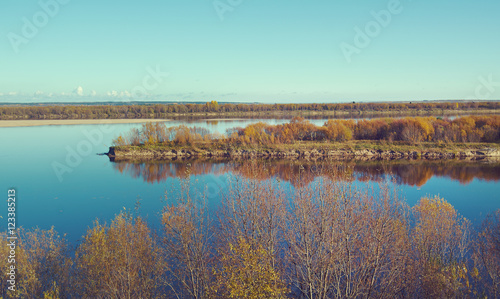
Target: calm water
x: 61, y: 182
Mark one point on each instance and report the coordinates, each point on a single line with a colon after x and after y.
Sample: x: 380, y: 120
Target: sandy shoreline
x: 59, y: 122
x: 224, y: 119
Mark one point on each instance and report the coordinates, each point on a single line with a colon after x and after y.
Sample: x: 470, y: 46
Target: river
x: 62, y: 182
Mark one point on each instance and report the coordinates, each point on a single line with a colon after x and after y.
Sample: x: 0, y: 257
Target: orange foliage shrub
x: 410, y: 129
x: 339, y: 130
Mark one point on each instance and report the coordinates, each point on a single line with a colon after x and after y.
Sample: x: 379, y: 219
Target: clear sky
x: 249, y: 50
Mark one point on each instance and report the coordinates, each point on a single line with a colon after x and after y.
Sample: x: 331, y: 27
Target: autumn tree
x: 256, y: 133
x: 43, y: 265
x: 188, y: 233
x: 183, y: 135
x: 375, y: 129
x: 441, y: 240
x: 339, y: 130
x: 417, y: 129
x: 408, y: 129
x: 310, y: 245
x: 134, y: 137
x: 345, y: 243
x: 253, y: 210
x: 121, y: 260
x: 212, y: 106
x: 247, y: 271
x: 119, y: 141
x: 4, y: 266
x: 487, y: 255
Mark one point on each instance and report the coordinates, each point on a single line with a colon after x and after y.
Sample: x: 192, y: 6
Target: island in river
x: 475, y: 137
x: 343, y: 150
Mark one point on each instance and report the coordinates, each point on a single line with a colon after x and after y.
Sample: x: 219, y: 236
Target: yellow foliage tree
x: 42, y: 264
x: 120, y: 141
x: 247, y: 272
x: 119, y: 261
x: 337, y: 130
x: 425, y: 124
x: 441, y: 241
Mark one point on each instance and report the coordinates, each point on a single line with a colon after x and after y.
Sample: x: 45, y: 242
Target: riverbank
x: 365, y: 150
x: 59, y: 122
x: 214, y: 116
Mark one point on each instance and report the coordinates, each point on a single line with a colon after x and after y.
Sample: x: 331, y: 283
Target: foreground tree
x: 253, y: 210
x: 120, y: 261
x: 487, y: 255
x: 42, y: 262
x: 345, y: 243
x: 247, y: 272
x: 249, y: 231
x: 188, y: 235
x: 440, y: 241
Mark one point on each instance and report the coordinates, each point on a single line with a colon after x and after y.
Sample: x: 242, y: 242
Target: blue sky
x: 249, y: 50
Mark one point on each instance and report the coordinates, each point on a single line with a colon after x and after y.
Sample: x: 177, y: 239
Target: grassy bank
x: 340, y: 150
x: 309, y: 145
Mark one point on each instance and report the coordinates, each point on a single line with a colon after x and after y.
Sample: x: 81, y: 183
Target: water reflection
x: 300, y: 172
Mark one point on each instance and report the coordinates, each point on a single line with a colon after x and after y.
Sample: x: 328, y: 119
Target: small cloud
x: 13, y: 93
x: 112, y: 93
x: 93, y: 93
x: 125, y: 94
x: 38, y: 93
x: 78, y: 91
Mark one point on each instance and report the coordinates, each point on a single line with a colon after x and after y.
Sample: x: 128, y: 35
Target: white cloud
x: 112, y: 93
x: 93, y: 93
x: 38, y: 93
x: 125, y: 94
x: 13, y: 93
x: 78, y: 91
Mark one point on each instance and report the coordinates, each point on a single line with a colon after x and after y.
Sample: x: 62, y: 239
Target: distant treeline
x: 409, y: 129
x: 170, y: 110
x: 327, y: 239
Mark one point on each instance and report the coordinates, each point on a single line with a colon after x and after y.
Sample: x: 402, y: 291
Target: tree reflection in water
x: 406, y: 172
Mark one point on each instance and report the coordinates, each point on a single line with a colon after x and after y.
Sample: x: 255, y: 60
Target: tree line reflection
x: 412, y: 173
